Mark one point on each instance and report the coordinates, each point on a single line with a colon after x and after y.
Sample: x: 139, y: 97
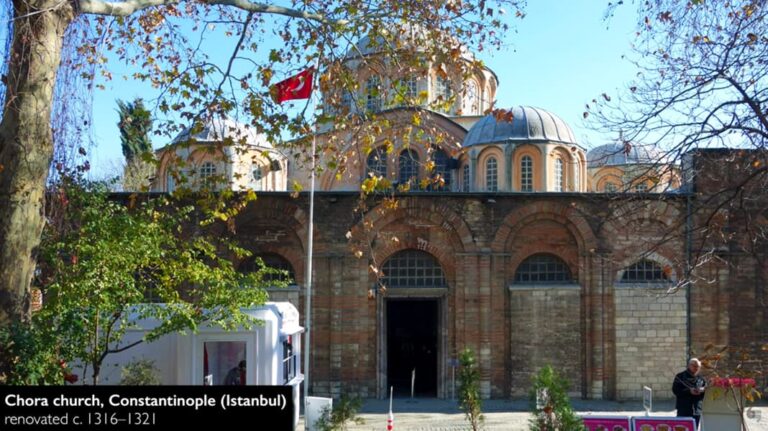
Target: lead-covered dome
x: 219, y: 129
x: 528, y: 124
x: 619, y: 154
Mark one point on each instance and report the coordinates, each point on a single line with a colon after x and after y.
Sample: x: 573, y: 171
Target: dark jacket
x: 688, y: 404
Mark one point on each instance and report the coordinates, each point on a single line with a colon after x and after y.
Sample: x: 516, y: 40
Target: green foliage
x: 553, y: 411
x: 469, y: 389
x: 343, y: 412
x: 141, y: 372
x: 105, y: 264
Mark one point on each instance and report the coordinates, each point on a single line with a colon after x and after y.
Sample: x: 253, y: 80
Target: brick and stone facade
x: 609, y: 337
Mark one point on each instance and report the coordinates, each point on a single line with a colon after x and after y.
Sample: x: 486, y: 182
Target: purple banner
x: 606, y: 423
x: 663, y: 424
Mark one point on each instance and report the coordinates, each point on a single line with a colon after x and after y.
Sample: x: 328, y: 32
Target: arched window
x: 441, y: 169
x: 346, y: 101
x: 374, y: 100
x: 270, y: 260
x: 610, y: 188
x: 443, y: 93
x: 377, y: 162
x: 526, y: 174
x: 257, y: 175
x: 465, y: 178
x: 491, y: 175
x: 641, y: 188
x: 411, y: 89
x: 170, y: 183
x: 471, y: 99
x: 412, y: 268
x: 409, y: 166
x: 559, y: 179
x: 644, y: 271
x: 576, y: 177
x: 543, y: 269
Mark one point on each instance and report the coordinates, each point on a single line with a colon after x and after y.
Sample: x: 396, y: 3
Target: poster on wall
x: 663, y: 424
x: 606, y: 423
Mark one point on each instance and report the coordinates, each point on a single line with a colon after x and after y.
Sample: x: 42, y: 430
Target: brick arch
x: 425, y: 210
x: 566, y: 215
x: 519, y: 258
x: 658, y: 212
x: 290, y: 217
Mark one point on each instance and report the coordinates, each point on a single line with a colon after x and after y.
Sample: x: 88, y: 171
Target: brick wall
x: 650, y: 340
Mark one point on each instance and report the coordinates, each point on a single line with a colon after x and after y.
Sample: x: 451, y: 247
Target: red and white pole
x: 391, y: 418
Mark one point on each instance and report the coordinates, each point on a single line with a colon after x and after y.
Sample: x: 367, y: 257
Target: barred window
x: 207, y: 170
x: 373, y: 101
x: 641, y: 188
x: 412, y: 268
x: 465, y: 178
x: 543, y: 269
x: 441, y: 169
x: 526, y: 172
x: 491, y: 175
x: 377, y: 162
x: 559, y: 175
x: 644, y: 271
x: 409, y: 166
x: 411, y: 89
x: 271, y: 260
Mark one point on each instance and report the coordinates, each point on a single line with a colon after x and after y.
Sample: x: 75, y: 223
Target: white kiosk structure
x: 271, y: 351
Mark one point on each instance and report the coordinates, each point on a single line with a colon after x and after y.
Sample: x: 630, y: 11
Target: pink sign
x: 663, y: 424
x: 606, y: 423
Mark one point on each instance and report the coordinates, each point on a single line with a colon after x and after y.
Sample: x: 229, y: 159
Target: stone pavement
x: 443, y: 415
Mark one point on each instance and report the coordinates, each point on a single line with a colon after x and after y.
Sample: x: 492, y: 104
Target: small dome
x: 528, y: 124
x: 617, y: 154
x: 218, y: 129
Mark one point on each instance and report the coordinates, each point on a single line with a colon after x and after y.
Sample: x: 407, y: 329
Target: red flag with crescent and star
x: 296, y: 87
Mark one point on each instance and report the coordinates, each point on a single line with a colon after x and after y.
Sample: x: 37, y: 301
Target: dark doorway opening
x: 412, y: 345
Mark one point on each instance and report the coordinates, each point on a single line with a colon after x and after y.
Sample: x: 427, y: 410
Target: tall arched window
x: 644, y: 271
x: 374, y: 99
x: 465, y: 178
x: 377, y: 163
x: 170, y: 183
x: 559, y: 178
x: 409, y: 166
x: 543, y: 268
x: 491, y: 175
x: 576, y: 177
x: 412, y: 268
x: 257, y: 177
x: 441, y: 158
x: 471, y: 99
x: 411, y: 89
x: 443, y: 93
x: 206, y: 173
x: 273, y: 261
x: 526, y: 174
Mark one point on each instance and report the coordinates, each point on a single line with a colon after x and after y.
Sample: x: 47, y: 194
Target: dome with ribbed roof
x: 218, y: 129
x: 619, y: 154
x: 528, y: 124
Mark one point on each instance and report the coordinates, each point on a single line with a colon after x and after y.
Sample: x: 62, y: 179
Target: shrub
x: 469, y: 389
x: 343, y: 412
x: 552, y: 411
x: 141, y: 372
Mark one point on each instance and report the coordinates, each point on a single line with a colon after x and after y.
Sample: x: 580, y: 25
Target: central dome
x: 528, y: 125
x: 217, y: 129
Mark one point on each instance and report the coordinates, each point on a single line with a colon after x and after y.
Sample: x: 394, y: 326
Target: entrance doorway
x: 412, y: 345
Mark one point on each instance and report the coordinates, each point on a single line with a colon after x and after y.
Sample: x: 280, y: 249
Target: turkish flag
x: 296, y: 87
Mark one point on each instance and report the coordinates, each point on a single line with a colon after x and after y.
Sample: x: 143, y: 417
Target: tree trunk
x: 26, y: 145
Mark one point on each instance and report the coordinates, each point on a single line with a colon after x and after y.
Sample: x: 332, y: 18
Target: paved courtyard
x: 443, y: 415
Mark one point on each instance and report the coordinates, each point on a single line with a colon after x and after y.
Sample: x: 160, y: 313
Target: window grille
x: 543, y: 269
x: 412, y: 268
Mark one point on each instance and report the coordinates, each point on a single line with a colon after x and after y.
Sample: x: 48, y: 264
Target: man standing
x: 689, y: 390
x: 236, y: 376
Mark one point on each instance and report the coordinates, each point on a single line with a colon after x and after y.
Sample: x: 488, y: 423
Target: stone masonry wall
x: 545, y: 330
x: 650, y: 340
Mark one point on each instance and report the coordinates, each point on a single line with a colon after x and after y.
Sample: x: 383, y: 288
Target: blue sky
x: 562, y: 55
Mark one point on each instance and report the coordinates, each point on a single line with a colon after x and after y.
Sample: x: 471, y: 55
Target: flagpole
x: 308, y: 274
